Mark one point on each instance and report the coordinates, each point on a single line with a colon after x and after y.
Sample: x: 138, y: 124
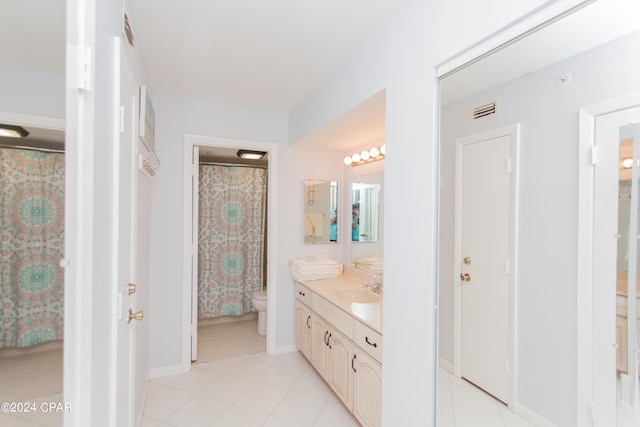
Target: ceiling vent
x: 485, y: 111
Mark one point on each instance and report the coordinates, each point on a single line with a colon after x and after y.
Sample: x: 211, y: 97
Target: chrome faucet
x: 375, y: 286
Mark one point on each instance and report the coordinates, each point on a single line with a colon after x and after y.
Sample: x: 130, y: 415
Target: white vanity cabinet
x: 345, y: 351
x: 367, y: 388
x: 303, y: 328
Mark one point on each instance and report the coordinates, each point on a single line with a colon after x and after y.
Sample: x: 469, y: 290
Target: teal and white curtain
x: 31, y: 247
x: 231, y: 230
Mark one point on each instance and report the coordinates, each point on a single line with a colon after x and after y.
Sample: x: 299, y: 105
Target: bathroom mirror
x: 369, y: 256
x: 320, y: 211
x: 365, y: 211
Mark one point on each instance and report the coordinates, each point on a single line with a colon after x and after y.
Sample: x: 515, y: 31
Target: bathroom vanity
x: 339, y: 329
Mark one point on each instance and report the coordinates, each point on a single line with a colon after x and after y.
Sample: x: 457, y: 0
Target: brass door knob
x: 135, y: 316
x: 132, y: 288
x: 467, y: 260
x: 465, y: 277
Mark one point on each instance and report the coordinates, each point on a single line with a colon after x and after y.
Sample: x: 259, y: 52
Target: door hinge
x: 594, y: 155
x: 80, y: 75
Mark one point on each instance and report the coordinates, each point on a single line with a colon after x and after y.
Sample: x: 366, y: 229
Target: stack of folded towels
x: 373, y: 263
x: 314, y: 268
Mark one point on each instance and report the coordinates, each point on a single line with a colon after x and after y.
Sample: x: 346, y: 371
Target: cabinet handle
x: 308, y: 318
x: 370, y: 343
x: 301, y: 293
x: 326, y: 342
x: 329, y: 341
x: 353, y: 360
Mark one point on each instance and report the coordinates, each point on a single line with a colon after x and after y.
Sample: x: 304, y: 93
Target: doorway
x: 485, y: 242
x: 31, y: 356
x: 193, y: 145
x: 608, y: 260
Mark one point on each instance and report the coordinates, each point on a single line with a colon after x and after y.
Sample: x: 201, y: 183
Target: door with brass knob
x: 465, y: 277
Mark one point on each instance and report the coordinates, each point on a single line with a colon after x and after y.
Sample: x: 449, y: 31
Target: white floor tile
x: 235, y: 416
x: 227, y: 388
x: 279, y: 422
x: 300, y: 408
x: 335, y: 414
x: 165, y: 402
x: 312, y: 383
x: 149, y: 422
x: 472, y: 398
x: 282, y: 375
x: 9, y: 421
x: 445, y: 415
x: 198, y: 412
x: 469, y: 418
x: 250, y: 368
x: 221, y: 366
x: 262, y: 398
x: 195, y: 380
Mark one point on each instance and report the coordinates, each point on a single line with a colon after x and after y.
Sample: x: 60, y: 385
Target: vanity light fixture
x: 251, y: 154
x: 12, y: 131
x: 366, y: 156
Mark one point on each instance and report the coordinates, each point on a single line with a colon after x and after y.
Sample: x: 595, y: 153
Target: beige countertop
x: 369, y: 313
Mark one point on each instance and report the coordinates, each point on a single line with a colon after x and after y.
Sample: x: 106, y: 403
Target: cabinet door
x: 339, y: 373
x: 303, y: 328
x: 367, y: 389
x: 319, y: 347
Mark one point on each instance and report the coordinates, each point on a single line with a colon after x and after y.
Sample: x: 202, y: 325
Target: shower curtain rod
x: 19, y: 147
x: 234, y: 165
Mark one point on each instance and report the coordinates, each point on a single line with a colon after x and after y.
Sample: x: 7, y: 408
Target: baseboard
x: 532, y: 417
x: 445, y: 364
x: 286, y: 349
x: 166, y: 372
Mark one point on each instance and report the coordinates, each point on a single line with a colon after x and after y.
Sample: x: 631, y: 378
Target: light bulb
x: 348, y: 160
x: 374, y: 152
x: 382, y: 150
x: 365, y: 155
x: 355, y: 157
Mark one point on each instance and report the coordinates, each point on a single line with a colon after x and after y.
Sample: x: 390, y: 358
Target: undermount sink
x: 357, y: 295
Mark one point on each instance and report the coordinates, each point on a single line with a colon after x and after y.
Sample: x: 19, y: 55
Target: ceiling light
x: 250, y: 154
x: 383, y: 150
x: 13, y: 131
x: 355, y: 157
x: 627, y: 163
x: 374, y: 152
x: 365, y: 155
x: 348, y: 160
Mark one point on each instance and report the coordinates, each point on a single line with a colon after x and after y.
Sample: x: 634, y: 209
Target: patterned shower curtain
x: 31, y: 247
x: 231, y: 229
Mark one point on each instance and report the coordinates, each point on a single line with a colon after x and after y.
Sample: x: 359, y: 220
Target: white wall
x: 402, y: 58
x: 548, y: 212
x: 31, y: 92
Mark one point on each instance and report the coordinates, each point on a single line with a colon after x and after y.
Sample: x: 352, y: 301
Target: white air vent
x: 485, y: 111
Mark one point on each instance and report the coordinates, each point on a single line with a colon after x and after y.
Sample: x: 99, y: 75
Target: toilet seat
x: 260, y: 295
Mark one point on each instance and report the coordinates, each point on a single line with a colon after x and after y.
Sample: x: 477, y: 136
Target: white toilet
x: 259, y: 301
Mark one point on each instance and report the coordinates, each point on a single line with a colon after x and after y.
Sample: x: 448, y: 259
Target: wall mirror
x: 541, y: 82
x: 367, y: 237
x: 320, y: 211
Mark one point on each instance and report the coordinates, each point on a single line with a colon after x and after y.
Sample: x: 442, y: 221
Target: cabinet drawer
x: 303, y: 294
x: 338, y: 318
x: 368, y: 340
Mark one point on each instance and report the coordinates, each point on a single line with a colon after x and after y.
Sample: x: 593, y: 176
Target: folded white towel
x: 314, y: 268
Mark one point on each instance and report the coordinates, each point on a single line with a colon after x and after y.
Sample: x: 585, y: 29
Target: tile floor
x: 461, y: 404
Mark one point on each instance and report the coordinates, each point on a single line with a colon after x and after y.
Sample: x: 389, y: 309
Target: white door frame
x: 586, y: 342
x: 513, y: 133
x: 190, y: 142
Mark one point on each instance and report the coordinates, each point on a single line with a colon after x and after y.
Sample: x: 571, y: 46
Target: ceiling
x: 259, y: 54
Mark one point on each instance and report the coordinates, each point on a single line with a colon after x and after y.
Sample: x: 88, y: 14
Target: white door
x: 613, y: 261
x: 485, y: 209
x: 126, y: 373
